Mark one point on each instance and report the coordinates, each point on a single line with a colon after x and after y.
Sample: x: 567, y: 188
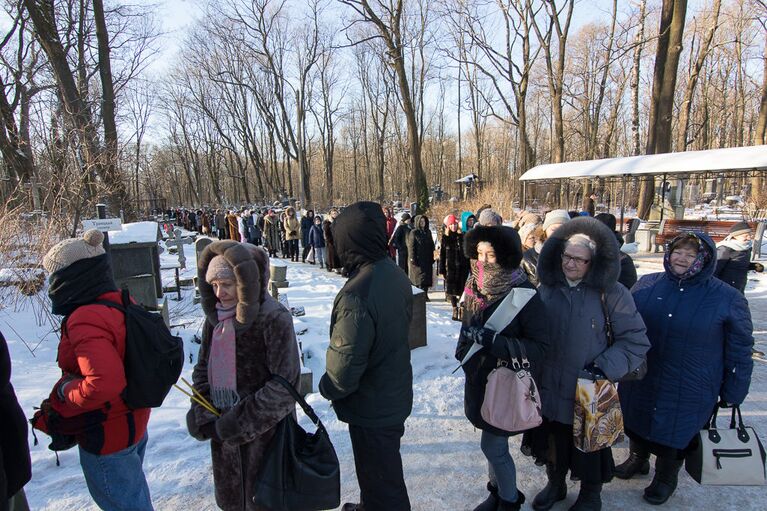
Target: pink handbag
x: 512, y: 402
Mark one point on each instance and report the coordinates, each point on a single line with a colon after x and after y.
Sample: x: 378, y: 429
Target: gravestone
x: 278, y: 277
x: 417, y: 334
x: 199, y: 246
x: 136, y: 261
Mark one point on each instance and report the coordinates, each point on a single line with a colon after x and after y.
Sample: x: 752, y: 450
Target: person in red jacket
x: 391, y: 225
x: 85, y: 404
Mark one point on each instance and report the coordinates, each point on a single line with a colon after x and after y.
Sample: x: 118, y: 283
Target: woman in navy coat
x: 701, y: 336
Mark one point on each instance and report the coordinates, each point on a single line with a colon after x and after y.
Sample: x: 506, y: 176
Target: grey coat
x: 577, y: 323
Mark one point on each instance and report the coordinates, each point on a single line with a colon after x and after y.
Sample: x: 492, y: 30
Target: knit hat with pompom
x: 72, y: 250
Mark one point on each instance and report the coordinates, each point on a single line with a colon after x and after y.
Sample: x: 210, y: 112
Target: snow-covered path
x: 444, y: 467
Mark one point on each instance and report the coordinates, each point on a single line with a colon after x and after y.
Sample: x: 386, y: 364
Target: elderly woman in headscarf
x: 247, y: 337
x: 701, y: 335
x: 578, y: 268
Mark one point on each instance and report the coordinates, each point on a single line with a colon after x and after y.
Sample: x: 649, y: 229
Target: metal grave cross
x: 179, y: 242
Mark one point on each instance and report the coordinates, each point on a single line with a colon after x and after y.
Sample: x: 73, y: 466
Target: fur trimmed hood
x: 505, y: 242
x: 251, y: 270
x: 605, y: 265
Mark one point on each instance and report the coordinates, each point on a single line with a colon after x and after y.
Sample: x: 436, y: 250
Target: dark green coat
x: 368, y: 374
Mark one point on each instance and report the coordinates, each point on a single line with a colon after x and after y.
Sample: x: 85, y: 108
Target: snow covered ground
x: 444, y: 467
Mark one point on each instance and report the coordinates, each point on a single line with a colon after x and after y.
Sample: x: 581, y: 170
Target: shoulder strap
x: 308, y: 410
x: 608, y: 322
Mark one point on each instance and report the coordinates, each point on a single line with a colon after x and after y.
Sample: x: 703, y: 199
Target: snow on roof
x: 467, y: 179
x: 137, y: 232
x: 712, y: 160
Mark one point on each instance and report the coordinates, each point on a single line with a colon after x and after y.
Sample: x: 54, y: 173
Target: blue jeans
x: 502, y: 469
x: 116, y: 481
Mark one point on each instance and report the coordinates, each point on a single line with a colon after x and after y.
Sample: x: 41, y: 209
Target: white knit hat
x: 72, y: 250
x: 557, y: 216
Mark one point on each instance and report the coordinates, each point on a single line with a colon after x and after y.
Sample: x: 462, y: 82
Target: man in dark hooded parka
x: 368, y: 374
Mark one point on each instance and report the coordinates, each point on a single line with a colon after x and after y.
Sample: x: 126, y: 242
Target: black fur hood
x: 605, y: 267
x: 505, y: 241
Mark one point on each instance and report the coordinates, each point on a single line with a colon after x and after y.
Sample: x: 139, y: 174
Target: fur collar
x: 251, y: 269
x: 605, y: 265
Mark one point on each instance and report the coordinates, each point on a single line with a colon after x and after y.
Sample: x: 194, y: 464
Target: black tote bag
x: 301, y: 470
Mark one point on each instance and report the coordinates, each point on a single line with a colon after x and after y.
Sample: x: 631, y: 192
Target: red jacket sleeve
x: 101, y: 375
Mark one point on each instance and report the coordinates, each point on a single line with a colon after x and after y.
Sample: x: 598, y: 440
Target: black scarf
x: 80, y: 283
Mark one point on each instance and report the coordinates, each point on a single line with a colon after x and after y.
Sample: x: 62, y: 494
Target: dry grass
x: 500, y: 200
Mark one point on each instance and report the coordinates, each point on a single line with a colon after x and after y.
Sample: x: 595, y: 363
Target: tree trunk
x: 664, y: 82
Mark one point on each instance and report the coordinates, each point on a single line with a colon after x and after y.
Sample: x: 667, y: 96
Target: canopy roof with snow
x: 741, y: 159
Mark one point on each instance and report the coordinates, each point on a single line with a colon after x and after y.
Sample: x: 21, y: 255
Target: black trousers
x: 378, y: 464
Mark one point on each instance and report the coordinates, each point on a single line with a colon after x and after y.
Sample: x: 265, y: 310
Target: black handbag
x: 637, y: 373
x: 300, y: 471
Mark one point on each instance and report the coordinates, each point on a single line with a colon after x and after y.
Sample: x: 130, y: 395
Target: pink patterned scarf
x: 222, y: 361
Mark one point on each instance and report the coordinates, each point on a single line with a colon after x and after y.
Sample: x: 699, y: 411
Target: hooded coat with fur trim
x: 701, y: 336
x: 420, y: 249
x: 577, y: 322
x: 265, y: 345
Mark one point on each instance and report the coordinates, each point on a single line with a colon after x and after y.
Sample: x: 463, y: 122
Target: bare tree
x: 388, y: 23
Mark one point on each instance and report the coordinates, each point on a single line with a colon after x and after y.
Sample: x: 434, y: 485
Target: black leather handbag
x: 301, y: 470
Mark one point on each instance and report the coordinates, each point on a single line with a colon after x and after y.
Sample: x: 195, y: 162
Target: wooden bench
x: 716, y: 229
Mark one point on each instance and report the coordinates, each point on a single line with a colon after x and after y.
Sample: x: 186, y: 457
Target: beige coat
x: 292, y: 225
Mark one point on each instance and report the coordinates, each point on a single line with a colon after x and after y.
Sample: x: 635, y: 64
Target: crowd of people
x: 584, y: 311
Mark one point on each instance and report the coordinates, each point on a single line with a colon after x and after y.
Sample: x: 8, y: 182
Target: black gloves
x: 478, y: 334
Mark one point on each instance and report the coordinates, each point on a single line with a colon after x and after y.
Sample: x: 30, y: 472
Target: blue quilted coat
x: 701, y: 336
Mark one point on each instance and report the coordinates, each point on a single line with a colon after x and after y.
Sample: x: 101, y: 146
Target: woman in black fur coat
x: 453, y: 264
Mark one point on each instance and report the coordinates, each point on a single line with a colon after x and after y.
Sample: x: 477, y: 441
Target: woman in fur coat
x: 420, y: 249
x: 495, y: 253
x: 247, y: 337
x: 331, y: 258
x: 453, y: 264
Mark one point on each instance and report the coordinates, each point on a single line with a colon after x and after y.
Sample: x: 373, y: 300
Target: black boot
x: 455, y: 313
x: 664, y: 482
x: 554, y: 491
x: 589, y: 498
x: 638, y: 462
x: 512, y: 506
x: 491, y: 502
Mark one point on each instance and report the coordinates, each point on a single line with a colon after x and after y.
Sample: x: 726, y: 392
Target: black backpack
x: 154, y: 356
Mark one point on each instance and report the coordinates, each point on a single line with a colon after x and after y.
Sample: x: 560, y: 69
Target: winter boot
x: 638, y: 462
x: 554, y: 491
x: 589, y: 498
x: 664, y: 482
x: 511, y: 506
x: 491, y: 502
x: 455, y: 313
x: 352, y: 507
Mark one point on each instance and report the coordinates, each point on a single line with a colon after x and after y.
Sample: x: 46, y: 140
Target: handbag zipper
x: 730, y: 453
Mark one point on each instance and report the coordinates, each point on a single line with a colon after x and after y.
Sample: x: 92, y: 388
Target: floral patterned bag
x: 597, y: 419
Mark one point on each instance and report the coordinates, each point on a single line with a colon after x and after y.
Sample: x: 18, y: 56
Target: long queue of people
x: 692, y: 330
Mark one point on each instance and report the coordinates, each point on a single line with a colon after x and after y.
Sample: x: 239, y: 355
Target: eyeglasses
x: 567, y: 258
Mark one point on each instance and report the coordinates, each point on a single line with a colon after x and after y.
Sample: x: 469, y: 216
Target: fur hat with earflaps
x: 71, y: 250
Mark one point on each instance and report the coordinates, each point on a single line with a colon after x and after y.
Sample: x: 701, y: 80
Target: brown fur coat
x: 266, y: 344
